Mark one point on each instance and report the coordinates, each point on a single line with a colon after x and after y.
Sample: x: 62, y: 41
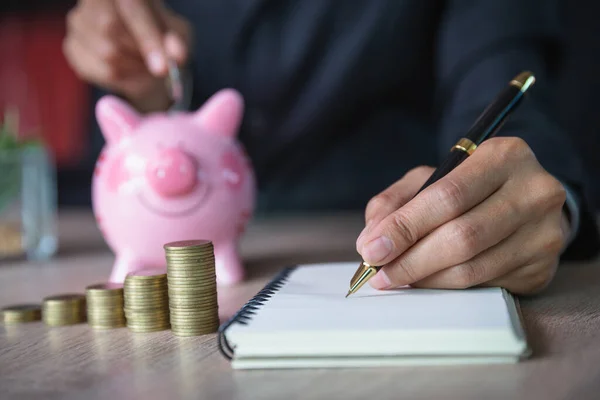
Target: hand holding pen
x: 495, y: 219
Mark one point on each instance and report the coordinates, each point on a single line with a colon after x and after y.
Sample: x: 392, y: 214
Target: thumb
x: 140, y: 17
x: 392, y: 198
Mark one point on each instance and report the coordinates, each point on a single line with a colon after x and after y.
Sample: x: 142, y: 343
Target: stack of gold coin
x: 20, y: 313
x: 64, y: 309
x: 105, y: 306
x: 192, y: 287
x: 147, y: 301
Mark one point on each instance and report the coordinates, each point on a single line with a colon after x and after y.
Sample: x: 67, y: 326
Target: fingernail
x: 175, y: 46
x: 380, y: 280
x: 376, y: 250
x: 156, y: 62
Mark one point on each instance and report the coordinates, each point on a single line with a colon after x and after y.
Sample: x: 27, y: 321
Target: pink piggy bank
x: 172, y: 176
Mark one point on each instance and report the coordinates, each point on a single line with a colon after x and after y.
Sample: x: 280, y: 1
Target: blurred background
x: 52, y: 102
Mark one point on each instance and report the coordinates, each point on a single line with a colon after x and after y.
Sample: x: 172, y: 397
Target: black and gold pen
x: 485, y: 127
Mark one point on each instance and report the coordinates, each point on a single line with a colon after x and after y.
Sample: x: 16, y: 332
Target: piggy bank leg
x: 123, y: 265
x: 229, y: 268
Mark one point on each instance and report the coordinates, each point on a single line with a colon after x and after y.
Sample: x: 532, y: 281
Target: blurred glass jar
x: 28, y: 203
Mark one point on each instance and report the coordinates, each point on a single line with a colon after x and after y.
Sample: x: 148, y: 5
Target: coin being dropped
x: 175, y: 83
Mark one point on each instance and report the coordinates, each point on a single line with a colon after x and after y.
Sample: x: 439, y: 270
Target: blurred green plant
x: 12, y: 147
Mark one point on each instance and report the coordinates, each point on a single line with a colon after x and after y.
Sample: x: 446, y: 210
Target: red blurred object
x: 35, y: 78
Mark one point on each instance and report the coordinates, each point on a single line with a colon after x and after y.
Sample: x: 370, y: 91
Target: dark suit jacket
x: 343, y: 97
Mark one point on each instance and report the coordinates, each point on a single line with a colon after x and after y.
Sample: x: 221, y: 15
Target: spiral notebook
x: 301, y: 319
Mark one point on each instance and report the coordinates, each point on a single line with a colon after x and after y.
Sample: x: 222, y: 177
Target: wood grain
x: 563, y: 324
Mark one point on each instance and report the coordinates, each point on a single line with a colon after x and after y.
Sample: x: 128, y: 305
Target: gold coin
x: 20, y: 313
x: 191, y: 265
x: 202, y: 317
x: 196, y: 320
x: 145, y: 287
x: 146, y: 301
x: 106, y: 321
x: 194, y: 324
x: 195, y: 302
x: 197, y: 285
x: 175, y: 300
x: 65, y: 309
x: 184, y: 244
x: 148, y: 329
x: 193, y: 278
x: 107, y: 327
x: 108, y: 288
x: 62, y: 299
x: 147, y: 307
x: 189, y: 325
x: 191, y: 262
x: 182, y: 312
x: 145, y: 293
x: 194, y: 332
x: 190, y: 286
x: 96, y: 315
x: 193, y: 281
x: 195, y: 272
x: 146, y: 314
x: 142, y: 324
x: 151, y: 273
x: 190, y: 251
x: 189, y: 258
x: 192, y: 295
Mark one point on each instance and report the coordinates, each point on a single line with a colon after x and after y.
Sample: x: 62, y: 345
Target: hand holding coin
x: 126, y: 46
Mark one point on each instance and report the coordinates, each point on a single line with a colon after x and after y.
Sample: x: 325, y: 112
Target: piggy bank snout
x: 172, y: 173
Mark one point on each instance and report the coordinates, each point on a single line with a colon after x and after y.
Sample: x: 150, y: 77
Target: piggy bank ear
x: 116, y: 118
x: 222, y: 113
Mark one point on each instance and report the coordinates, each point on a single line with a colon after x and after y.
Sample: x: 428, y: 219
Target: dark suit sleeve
x: 481, y: 46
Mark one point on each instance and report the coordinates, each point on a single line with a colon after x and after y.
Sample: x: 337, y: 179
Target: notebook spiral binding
x: 244, y: 315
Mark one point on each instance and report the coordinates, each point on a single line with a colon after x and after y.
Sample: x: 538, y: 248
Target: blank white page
x: 312, y: 299
x: 309, y: 322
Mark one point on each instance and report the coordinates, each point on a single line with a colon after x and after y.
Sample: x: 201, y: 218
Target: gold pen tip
x: 349, y: 293
x: 523, y: 81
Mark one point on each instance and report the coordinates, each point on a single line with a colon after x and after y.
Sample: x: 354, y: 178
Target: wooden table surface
x: 563, y: 325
